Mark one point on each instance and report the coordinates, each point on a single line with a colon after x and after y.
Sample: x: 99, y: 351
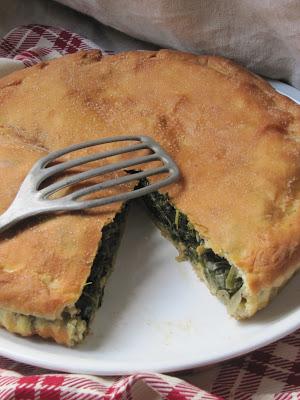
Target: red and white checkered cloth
x: 272, y: 372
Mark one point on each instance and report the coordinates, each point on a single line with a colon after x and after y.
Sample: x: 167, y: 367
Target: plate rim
x: 114, y: 370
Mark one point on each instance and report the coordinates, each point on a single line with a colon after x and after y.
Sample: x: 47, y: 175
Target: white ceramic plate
x: 157, y: 315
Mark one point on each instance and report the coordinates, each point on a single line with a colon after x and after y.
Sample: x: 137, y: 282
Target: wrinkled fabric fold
x: 262, y: 35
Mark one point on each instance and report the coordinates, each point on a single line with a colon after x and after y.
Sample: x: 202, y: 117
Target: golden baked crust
x: 235, y: 140
x: 45, y: 261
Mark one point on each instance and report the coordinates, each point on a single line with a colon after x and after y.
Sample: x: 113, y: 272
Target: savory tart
x: 234, y: 214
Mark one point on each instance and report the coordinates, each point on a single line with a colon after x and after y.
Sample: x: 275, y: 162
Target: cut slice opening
x: 222, y: 278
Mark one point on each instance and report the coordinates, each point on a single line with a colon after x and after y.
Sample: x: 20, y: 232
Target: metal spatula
x: 32, y: 200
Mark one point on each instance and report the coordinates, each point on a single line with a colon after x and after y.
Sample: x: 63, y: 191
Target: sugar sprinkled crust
x: 235, y: 139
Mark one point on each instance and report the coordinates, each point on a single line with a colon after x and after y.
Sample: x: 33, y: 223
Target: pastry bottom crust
x: 241, y: 305
x: 69, y: 331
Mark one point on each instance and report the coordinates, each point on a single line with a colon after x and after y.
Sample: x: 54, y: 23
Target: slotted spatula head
x: 34, y: 195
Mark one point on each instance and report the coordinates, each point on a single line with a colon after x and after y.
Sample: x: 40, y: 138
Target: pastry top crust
x: 44, y: 261
x: 235, y: 140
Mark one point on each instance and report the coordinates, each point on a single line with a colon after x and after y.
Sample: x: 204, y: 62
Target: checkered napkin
x: 272, y: 372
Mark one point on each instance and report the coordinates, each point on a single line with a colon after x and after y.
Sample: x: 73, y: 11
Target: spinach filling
x: 218, y: 272
x: 73, y: 326
x: 93, y: 291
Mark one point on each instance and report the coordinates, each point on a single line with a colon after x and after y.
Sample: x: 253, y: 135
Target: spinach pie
x: 235, y: 213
